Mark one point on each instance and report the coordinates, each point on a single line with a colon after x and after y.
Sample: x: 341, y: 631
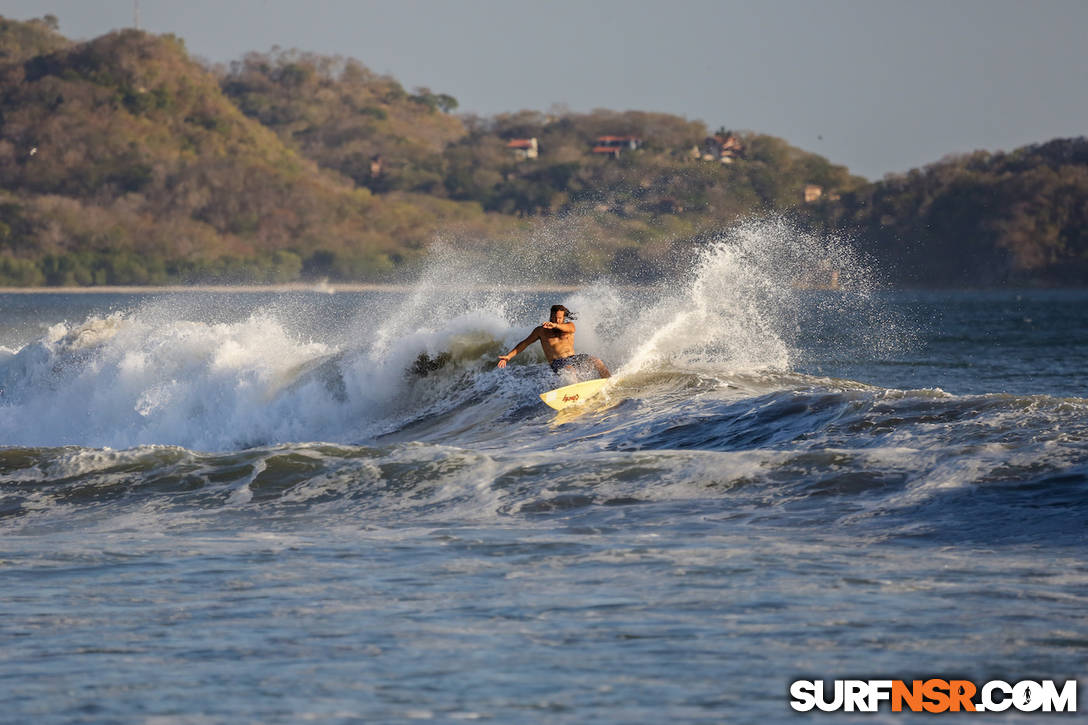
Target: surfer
x: 556, y: 337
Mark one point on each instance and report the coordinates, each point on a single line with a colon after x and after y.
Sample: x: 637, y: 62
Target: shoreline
x: 404, y: 287
x: 328, y: 289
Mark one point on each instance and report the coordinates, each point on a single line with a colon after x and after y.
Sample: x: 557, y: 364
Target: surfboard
x: 575, y: 394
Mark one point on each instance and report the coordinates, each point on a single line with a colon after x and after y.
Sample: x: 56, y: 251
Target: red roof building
x: 615, y: 145
x: 722, y: 148
x: 524, y: 148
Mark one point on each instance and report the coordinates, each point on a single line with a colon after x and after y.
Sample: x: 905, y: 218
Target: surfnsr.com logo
x: 933, y: 695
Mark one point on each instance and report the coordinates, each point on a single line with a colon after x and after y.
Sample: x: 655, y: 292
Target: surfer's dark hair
x: 556, y: 308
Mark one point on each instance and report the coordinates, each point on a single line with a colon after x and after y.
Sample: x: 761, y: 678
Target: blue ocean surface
x: 312, y: 507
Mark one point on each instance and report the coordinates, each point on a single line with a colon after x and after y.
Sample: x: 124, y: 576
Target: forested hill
x: 124, y: 161
x: 976, y: 219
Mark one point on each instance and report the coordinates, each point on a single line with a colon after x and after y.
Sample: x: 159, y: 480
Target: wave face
x: 809, y: 451
x: 781, y: 479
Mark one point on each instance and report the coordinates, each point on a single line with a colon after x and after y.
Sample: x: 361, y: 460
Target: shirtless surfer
x: 556, y: 336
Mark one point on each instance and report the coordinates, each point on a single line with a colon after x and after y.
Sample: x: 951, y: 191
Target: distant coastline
x: 259, y: 289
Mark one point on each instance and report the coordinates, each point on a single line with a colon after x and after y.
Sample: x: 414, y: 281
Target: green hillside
x: 338, y: 113
x: 977, y: 220
x: 124, y: 161
x: 635, y: 204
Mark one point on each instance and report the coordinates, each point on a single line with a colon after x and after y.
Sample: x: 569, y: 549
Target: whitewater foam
x: 189, y: 374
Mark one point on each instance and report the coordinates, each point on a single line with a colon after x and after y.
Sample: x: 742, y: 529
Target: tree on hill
x: 22, y: 40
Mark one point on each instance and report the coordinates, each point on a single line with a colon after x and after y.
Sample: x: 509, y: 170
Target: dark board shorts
x: 582, y: 365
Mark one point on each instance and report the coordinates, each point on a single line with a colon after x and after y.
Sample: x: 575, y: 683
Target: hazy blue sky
x: 881, y: 86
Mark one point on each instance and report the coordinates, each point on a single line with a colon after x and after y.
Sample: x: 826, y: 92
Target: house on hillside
x: 524, y: 148
x: 615, y: 145
x: 813, y: 193
x: 722, y: 148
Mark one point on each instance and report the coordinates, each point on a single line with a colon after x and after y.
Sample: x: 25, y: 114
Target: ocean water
x: 313, y: 507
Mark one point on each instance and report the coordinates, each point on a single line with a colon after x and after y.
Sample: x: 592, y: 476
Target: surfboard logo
x: 576, y: 394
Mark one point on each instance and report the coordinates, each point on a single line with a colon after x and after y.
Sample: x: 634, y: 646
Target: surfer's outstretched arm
x: 533, y: 337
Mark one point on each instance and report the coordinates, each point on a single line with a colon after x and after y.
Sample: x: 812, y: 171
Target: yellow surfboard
x: 575, y: 394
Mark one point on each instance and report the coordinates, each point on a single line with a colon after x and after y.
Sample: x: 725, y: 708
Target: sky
x: 880, y: 86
